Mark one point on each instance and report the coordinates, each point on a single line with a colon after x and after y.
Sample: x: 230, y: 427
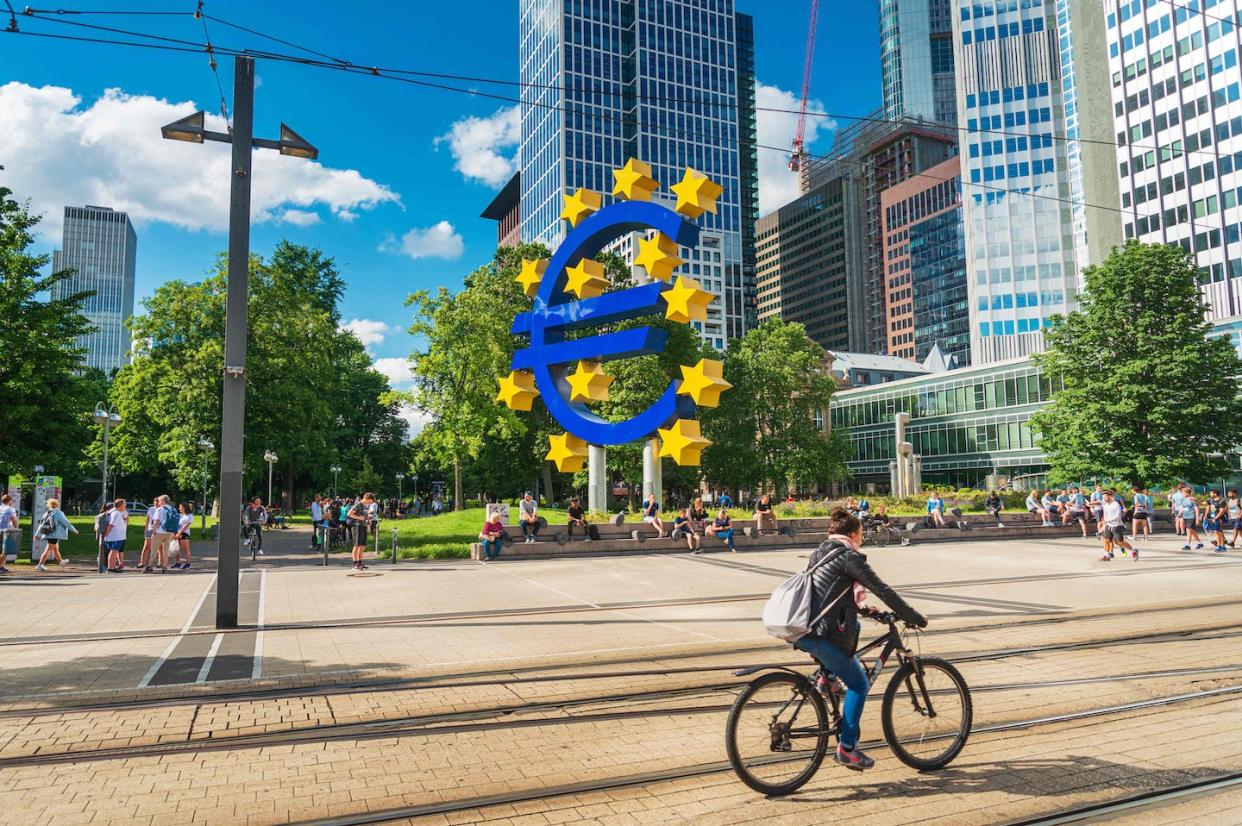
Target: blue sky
x: 390, y: 186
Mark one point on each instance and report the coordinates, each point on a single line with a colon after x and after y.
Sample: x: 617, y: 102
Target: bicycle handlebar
x: 889, y: 618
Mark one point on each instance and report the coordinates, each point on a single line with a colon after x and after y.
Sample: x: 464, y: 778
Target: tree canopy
x: 1149, y: 397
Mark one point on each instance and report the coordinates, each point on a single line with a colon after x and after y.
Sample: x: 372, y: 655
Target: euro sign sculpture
x: 568, y: 294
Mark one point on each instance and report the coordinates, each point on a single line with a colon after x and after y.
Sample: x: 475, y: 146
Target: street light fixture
x: 192, y: 129
x: 400, y: 479
x: 206, y: 446
x: 107, y: 419
x: 336, y: 470
x: 271, y: 459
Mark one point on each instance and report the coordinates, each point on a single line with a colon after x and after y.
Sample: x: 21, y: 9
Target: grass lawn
x: 82, y: 546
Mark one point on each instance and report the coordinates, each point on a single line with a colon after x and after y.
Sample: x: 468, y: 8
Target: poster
x: 46, y: 487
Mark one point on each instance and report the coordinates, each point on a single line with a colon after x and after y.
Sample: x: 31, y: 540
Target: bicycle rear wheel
x: 880, y: 536
x: 777, y: 733
x: 927, y: 713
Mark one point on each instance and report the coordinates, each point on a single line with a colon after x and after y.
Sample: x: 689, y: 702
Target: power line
x: 211, y: 61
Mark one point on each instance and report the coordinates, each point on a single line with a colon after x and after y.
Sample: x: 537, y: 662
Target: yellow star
x: 531, y: 275
x: 658, y: 256
x: 517, y: 390
x: 686, y: 301
x: 567, y: 451
x: 634, y: 181
x: 589, y: 384
x: 696, y: 194
x: 586, y: 279
x: 683, y: 442
x: 579, y: 205
x: 704, y: 382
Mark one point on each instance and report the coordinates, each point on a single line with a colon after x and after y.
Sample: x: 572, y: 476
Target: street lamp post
x: 400, y: 479
x: 233, y: 419
x: 107, y: 419
x: 206, y: 446
x: 336, y: 470
x: 271, y: 458
x: 416, y: 503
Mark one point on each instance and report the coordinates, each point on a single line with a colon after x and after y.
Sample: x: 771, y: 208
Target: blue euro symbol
x: 555, y: 312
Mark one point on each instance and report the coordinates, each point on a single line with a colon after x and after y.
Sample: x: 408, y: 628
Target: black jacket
x: 840, y: 625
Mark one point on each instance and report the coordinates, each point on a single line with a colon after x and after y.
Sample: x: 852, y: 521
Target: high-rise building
x: 1175, y: 92
x: 100, y: 246
x: 876, y: 154
x: 925, y: 264
x: 669, y: 83
x: 806, y: 249
x: 916, y: 59
x: 506, y: 210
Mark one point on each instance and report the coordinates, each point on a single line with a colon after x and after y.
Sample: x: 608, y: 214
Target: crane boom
x: 799, y: 150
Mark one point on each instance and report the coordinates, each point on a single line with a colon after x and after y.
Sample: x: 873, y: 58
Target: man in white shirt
x: 114, y: 537
x: 159, y: 536
x: 1113, y: 527
x: 8, y: 522
x: 316, y: 510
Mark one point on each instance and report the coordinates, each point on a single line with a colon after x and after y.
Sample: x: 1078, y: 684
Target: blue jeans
x: 726, y: 534
x: 491, y: 548
x: 851, y: 672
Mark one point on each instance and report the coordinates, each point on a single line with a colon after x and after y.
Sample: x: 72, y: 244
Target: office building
x: 506, y: 210
x: 862, y: 369
x: 663, y: 82
x: 876, y: 154
x: 1175, y: 92
x: 925, y: 265
x: 916, y: 59
x: 100, y: 246
x: 806, y: 249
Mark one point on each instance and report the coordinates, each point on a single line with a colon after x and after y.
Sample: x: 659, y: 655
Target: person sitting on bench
x: 577, y: 517
x: 765, y: 520
x: 722, y: 529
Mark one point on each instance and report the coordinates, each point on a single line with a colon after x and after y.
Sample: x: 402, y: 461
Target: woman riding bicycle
x: 834, y: 637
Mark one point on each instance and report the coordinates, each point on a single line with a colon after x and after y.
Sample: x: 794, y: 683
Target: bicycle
x: 881, y: 533
x: 926, y: 716
x: 254, y: 532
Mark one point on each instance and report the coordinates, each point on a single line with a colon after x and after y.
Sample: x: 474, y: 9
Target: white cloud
x: 436, y: 241
x: 398, y: 371
x: 367, y: 330
x: 777, y: 185
x: 415, y: 419
x: 57, y: 152
x: 478, y: 146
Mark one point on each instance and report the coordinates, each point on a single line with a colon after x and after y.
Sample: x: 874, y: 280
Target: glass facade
x: 916, y: 59
x: 100, y: 246
x: 1020, y: 250
x: 659, y: 81
x: 1178, y: 119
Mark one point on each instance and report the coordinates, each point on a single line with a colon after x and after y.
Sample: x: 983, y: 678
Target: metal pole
x: 202, y: 527
x: 233, y: 420
x: 102, y: 557
x: 394, y: 546
x: 269, y: 483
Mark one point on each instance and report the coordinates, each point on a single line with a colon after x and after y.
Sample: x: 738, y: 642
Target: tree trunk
x: 458, y: 505
x: 287, y: 496
x: 549, y: 494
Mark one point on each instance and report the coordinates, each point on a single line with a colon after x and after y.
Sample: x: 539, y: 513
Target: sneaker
x: 853, y: 758
x: 362, y: 567
x: 588, y: 539
x: 148, y: 570
x: 185, y: 566
x: 1106, y: 558
x: 3, y: 570
x: 1185, y: 547
x: 1199, y: 547
x: 1000, y: 524
x: 830, y: 685
x: 1134, y: 553
x: 163, y: 570
x: 1222, y: 549
x: 260, y: 552
x: 697, y: 551
x: 40, y: 567
x: 64, y: 562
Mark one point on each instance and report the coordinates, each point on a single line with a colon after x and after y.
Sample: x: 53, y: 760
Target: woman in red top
x: 492, y: 536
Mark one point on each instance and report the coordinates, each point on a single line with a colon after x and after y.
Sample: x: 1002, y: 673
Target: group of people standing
x: 358, y: 518
x: 165, y: 536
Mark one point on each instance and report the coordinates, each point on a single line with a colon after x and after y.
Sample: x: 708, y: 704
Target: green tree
x: 765, y: 431
x: 1148, y: 397
x: 45, y: 398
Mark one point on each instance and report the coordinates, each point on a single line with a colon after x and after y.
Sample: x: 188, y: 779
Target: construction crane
x: 799, y: 149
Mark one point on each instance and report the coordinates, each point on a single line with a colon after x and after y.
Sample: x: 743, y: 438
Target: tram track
x: 1134, y: 803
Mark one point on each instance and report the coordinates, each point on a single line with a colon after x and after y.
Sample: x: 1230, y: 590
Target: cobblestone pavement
x: 609, y: 670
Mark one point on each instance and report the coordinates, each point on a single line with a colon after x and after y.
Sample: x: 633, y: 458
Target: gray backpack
x: 787, y: 614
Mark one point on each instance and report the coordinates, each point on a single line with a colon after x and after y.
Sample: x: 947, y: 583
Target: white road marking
x: 257, y: 670
x: 189, y: 622
x: 211, y: 658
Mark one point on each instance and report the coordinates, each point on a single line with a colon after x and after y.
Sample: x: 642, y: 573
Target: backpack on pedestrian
x: 47, y: 525
x: 787, y: 613
x: 170, y: 520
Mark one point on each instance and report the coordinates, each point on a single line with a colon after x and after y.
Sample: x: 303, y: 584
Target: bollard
x: 394, y: 546
x: 323, y: 541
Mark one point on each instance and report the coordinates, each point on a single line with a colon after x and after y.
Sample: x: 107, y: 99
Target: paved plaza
x: 595, y: 689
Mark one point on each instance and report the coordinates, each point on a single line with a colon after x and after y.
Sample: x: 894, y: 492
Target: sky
x: 403, y: 171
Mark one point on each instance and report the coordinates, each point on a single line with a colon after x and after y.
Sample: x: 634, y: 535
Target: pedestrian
x: 316, y: 514
x: 765, y: 520
x: 1076, y: 510
x: 722, y: 529
x: 682, y: 527
x: 8, y: 531
x: 1113, y: 528
x: 254, y: 517
x: 1097, y: 508
x: 1190, y: 519
x: 994, y: 505
x: 577, y: 518
x: 651, y: 516
x: 358, y: 517
x: 114, y: 537
x: 148, y: 531
x: 1214, y: 521
x: 1176, y: 501
x: 935, y: 510
x: 726, y: 501
x: 1233, y: 511
x: 528, y: 516
x: 184, y: 523
x: 165, y: 525
x: 1140, y: 524
x: 54, y: 526
x: 492, y: 536
x: 1034, y: 505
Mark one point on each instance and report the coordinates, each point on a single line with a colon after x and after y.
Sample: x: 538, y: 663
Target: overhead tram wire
x: 346, y: 65
x: 376, y: 72
x: 211, y: 61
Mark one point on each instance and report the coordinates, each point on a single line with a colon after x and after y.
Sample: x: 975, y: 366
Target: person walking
x: 722, y: 529
x: 9, y: 531
x: 184, y: 523
x: 651, y: 515
x: 1214, y: 521
x: 1233, y: 512
x: 1113, y: 528
x: 1176, y: 500
x: 54, y: 527
x: 528, y: 516
x: 492, y: 536
x: 358, y: 517
x: 148, y: 531
x: 1190, y: 519
x: 114, y: 537
x: 1140, y: 523
x: 254, y: 517
x: 316, y: 515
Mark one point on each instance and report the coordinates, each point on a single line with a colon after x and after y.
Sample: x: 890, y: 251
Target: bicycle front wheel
x: 927, y: 713
x: 777, y: 733
x: 880, y: 536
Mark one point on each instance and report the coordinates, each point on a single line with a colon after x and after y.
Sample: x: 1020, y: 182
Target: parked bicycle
x: 881, y: 534
x: 779, y: 728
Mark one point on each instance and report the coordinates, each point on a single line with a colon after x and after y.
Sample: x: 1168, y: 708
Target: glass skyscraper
x: 100, y: 246
x: 670, y: 83
x: 916, y: 59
